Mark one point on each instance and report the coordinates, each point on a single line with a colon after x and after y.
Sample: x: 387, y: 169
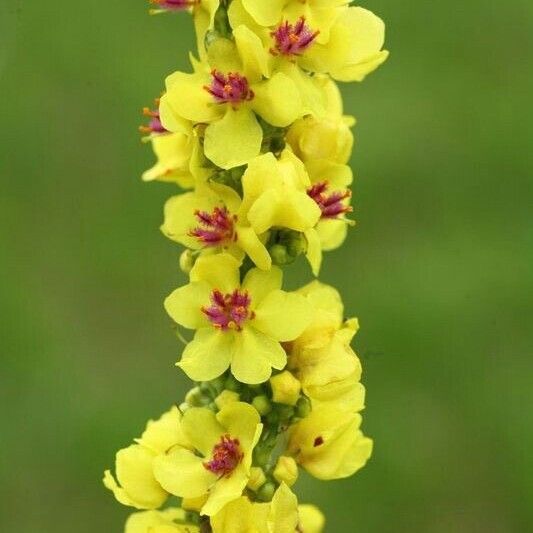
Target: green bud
x: 262, y: 404
x: 297, y: 244
x: 280, y: 255
x: 186, y: 261
x: 303, y: 407
x: 194, y: 397
x: 266, y: 492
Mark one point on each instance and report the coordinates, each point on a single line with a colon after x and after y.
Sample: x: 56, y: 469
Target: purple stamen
x: 214, y: 228
x: 229, y: 311
x: 330, y: 203
x: 231, y: 88
x: 292, y: 39
x: 226, y: 457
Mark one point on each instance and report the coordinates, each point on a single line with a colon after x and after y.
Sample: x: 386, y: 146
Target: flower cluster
x: 256, y: 139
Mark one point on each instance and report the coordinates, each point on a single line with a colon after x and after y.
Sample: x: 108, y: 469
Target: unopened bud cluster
x: 256, y: 138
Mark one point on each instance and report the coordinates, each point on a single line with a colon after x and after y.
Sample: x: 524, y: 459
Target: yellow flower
x: 324, y: 138
x: 219, y: 463
x: 354, y: 47
x: 210, y: 219
x: 227, y: 92
x: 238, y: 325
x: 311, y: 519
x: 173, y: 152
x: 319, y: 14
x: 321, y: 357
x: 275, y: 194
x: 137, y: 486
x: 243, y: 516
x: 320, y: 37
x: 329, y: 189
x: 329, y: 446
x: 171, y: 520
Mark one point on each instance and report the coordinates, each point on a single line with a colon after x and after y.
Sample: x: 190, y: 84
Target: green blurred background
x: 438, y: 269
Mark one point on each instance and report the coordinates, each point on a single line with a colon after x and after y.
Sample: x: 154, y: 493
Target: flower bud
x: 266, y: 492
x: 226, y: 397
x: 285, y: 388
x: 262, y: 404
x: 286, y: 470
x: 303, y: 407
x: 257, y: 478
x: 186, y: 261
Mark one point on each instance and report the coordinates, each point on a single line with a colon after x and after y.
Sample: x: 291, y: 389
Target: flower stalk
x: 256, y: 140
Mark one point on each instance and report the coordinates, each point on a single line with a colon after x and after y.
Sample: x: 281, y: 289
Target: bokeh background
x: 438, y: 269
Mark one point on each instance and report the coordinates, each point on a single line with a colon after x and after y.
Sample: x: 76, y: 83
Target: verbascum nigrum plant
x: 256, y: 139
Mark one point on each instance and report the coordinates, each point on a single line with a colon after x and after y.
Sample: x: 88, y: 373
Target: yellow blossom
x: 229, y: 89
x: 311, y: 519
x: 320, y: 14
x: 237, y: 324
x: 243, y: 516
x: 354, y: 47
x: 171, y: 520
x: 321, y: 357
x: 275, y: 194
x: 173, y: 152
x: 219, y: 463
x: 329, y: 189
x: 137, y: 486
x: 324, y: 138
x: 329, y: 446
x: 209, y: 219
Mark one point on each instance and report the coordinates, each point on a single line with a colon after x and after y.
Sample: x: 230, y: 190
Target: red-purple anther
x: 231, y: 88
x: 154, y: 125
x: 226, y: 457
x: 292, y: 39
x: 174, y: 5
x: 330, y: 203
x: 229, y: 311
x: 214, y: 228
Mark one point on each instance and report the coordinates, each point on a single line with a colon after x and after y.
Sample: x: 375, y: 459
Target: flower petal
x: 208, y: 355
x: 160, y: 435
x: 278, y: 100
x: 184, y: 305
x: 283, y: 315
x: 265, y: 13
x: 252, y: 53
x: 220, y: 271
x: 225, y: 490
x: 240, y: 420
x: 260, y: 283
x: 138, y: 486
x: 314, y: 250
x: 187, y: 98
x: 183, y: 474
x: 202, y: 428
x: 233, y: 140
x: 254, y: 356
x: 248, y: 240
